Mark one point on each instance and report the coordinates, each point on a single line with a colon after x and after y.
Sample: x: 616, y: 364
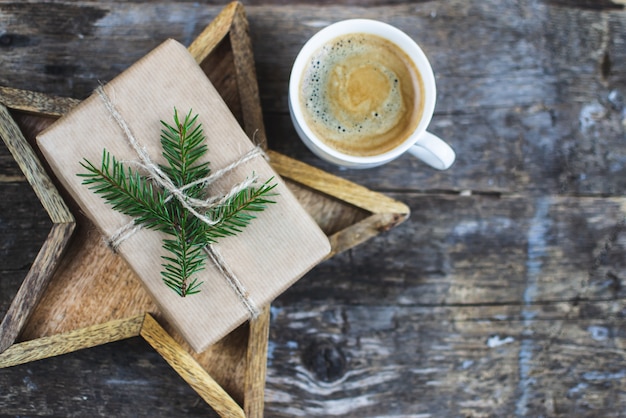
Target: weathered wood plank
x: 519, y: 96
x: 394, y: 355
x: 122, y: 379
x: 388, y: 360
x: 483, y: 249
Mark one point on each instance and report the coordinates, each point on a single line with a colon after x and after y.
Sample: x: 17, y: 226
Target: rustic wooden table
x: 502, y: 295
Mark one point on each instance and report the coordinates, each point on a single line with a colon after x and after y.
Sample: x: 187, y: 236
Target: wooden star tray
x: 79, y: 294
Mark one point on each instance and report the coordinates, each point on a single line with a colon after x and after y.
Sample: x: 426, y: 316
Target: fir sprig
x: 133, y: 194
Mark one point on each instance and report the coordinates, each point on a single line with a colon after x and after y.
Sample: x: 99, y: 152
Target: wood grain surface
x: 502, y: 295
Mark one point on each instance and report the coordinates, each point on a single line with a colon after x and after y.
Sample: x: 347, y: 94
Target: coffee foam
x: 361, y: 94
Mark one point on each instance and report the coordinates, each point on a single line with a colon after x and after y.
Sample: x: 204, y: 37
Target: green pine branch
x: 133, y: 194
x: 239, y: 211
x: 128, y: 192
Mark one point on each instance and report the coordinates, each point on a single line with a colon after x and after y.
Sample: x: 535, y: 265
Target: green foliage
x: 153, y: 207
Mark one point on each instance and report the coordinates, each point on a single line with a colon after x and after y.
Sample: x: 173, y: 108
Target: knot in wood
x: 325, y: 359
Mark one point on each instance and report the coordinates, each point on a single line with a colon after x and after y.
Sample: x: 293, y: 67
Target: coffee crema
x: 361, y: 94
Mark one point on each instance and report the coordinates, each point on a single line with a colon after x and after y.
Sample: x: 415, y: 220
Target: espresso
x: 361, y: 94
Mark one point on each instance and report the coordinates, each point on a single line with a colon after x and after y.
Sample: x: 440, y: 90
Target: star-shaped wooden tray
x: 79, y: 294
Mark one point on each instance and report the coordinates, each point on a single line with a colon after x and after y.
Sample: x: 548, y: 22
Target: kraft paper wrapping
x: 274, y: 251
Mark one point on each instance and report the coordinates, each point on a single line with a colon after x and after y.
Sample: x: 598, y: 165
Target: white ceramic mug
x: 422, y: 144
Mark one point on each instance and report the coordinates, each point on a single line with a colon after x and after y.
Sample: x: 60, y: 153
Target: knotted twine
x: 193, y: 205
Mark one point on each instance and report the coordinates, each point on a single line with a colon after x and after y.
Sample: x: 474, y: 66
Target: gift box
x: 243, y: 272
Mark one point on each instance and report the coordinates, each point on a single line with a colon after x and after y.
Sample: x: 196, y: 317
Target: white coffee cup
x: 421, y: 143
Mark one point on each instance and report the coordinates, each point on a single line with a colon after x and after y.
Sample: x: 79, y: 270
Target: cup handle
x: 433, y: 151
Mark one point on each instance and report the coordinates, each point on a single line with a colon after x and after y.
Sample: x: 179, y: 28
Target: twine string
x: 242, y: 294
x: 214, y: 201
x: 193, y: 205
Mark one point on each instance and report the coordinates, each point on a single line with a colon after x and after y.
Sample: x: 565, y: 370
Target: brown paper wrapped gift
x: 268, y: 256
